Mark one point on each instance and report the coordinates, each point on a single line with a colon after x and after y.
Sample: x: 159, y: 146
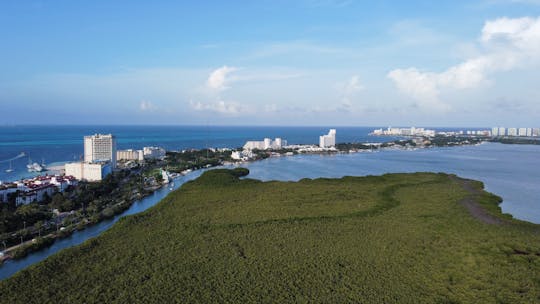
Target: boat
x: 10, y: 168
x: 34, y: 167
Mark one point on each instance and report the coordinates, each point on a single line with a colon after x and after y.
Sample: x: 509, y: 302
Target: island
x: 395, y: 238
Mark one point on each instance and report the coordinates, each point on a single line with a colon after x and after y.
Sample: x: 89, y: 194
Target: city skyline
x: 331, y: 63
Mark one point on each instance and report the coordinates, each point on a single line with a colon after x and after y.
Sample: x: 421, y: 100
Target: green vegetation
x: 86, y: 204
x: 195, y: 159
x: 451, y: 141
x: 396, y: 238
x: 516, y: 140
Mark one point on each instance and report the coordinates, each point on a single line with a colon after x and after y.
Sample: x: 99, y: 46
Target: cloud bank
x: 506, y: 44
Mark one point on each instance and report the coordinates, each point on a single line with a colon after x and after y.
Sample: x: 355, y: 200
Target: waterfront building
x: 494, y: 131
x: 91, y: 172
x: 522, y: 132
x: 502, y: 131
x: 154, y: 153
x: 329, y: 140
x: 512, y: 132
x: 237, y: 155
x: 35, y: 189
x: 265, y: 144
x: 412, y: 131
x: 529, y: 132
x: 130, y: 154
x: 536, y: 132
x: 100, y: 147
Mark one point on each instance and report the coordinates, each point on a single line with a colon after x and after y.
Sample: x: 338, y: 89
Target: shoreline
x: 66, y: 233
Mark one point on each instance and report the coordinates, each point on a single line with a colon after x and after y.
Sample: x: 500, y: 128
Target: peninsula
x: 395, y: 238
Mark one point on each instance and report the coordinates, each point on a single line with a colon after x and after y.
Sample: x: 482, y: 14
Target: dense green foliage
x: 90, y: 203
x: 516, y: 140
x: 195, y: 159
x: 396, y: 238
x: 450, y: 141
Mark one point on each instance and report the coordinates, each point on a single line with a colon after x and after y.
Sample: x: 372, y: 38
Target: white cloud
x: 348, y: 91
x: 506, y: 44
x: 219, y: 78
x: 220, y: 106
x: 146, y: 106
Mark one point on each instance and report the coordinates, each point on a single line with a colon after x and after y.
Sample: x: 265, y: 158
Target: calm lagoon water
x: 510, y: 171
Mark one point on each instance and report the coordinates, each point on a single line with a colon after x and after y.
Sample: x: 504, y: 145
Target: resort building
x: 99, y: 148
x: 153, y: 153
x: 35, y: 189
x: 265, y: 144
x: 512, y: 132
x: 91, y: 172
x: 130, y: 154
x: 412, y: 131
x: 329, y: 140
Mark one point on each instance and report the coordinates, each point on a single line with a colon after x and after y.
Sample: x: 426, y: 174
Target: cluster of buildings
x: 265, y: 144
x: 412, y: 131
x: 141, y: 155
x: 101, y: 157
x: 495, y: 132
x: 35, y: 189
x: 521, y: 132
x: 326, y: 142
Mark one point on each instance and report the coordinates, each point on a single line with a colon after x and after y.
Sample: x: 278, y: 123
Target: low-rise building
x: 130, y: 154
x: 91, y: 172
x: 154, y: 153
x: 35, y: 189
x: 265, y: 144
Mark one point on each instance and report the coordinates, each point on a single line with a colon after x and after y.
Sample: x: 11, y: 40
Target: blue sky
x: 306, y: 62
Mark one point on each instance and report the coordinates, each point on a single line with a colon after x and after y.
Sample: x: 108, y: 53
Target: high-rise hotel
x: 100, y: 147
x: 99, y: 158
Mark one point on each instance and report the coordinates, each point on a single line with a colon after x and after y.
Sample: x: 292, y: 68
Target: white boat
x: 34, y: 167
x: 10, y: 168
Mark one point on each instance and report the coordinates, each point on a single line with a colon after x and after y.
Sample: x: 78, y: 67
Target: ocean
x: 54, y: 144
x: 57, y: 144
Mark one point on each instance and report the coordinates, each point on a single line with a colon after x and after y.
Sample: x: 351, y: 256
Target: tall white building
x: 495, y: 131
x: 522, y: 132
x: 100, y: 147
x: 512, y: 132
x: 329, y: 140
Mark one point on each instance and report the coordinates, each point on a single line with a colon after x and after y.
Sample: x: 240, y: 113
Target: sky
x: 304, y: 62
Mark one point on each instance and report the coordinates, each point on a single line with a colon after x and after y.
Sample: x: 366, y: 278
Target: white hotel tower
x: 100, y: 147
x: 327, y: 141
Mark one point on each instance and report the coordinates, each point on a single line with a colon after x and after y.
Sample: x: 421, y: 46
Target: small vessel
x: 34, y: 167
x: 10, y: 168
